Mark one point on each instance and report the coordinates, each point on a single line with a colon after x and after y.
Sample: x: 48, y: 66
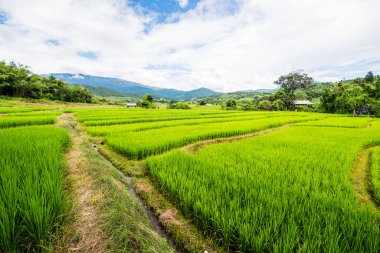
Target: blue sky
x: 3, y: 17
x: 163, y: 9
x: 225, y: 45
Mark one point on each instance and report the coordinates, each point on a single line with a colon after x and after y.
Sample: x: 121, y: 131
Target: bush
x: 182, y: 106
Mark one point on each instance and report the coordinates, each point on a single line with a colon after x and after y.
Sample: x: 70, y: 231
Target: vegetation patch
x: 32, y: 201
x: 276, y: 192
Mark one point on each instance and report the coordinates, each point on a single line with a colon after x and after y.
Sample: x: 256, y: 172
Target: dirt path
x: 84, y: 234
x: 360, y: 178
x: 194, y: 147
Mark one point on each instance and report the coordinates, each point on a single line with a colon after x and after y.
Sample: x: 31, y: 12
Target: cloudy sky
x: 225, y: 45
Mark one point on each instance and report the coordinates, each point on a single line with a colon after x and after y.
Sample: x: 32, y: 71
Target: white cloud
x: 220, y: 44
x: 183, y: 3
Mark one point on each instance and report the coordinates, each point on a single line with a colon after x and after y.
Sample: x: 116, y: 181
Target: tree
x: 265, y: 105
x: 17, y: 80
x: 278, y: 105
x: 231, y: 104
x: 78, y: 94
x: 147, y: 102
x: 246, y: 105
x: 202, y: 102
x: 292, y: 82
x: 369, y: 77
x: 328, y: 101
x: 351, y: 98
x: 180, y: 105
x: 147, y: 98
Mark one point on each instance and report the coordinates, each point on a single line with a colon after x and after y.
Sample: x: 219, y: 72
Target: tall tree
x: 369, y: 77
x: 147, y: 98
x: 292, y: 82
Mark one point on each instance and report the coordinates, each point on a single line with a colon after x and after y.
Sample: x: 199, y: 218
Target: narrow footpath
x: 107, y: 216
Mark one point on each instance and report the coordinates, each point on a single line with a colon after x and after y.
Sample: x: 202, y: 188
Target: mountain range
x: 120, y: 87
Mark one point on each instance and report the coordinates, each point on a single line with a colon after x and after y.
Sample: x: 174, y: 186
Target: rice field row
x: 5, y: 110
x: 113, y: 129
x: 287, y: 191
x: 348, y: 122
x: 26, y: 121
x: 31, y: 183
x: 138, y: 145
x: 155, y: 118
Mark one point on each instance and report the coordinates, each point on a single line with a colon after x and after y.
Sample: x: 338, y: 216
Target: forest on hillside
x: 17, y: 80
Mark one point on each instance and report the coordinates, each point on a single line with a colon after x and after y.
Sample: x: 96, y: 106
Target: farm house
x: 299, y: 103
x: 131, y: 105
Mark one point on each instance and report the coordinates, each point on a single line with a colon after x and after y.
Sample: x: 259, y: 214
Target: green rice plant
x: 115, y: 114
x: 139, y: 145
x: 113, y: 129
x: 24, y: 109
x: 287, y: 191
x: 34, y: 113
x: 141, y: 119
x: 375, y: 175
x: 31, y: 183
x: 26, y: 121
x: 348, y: 122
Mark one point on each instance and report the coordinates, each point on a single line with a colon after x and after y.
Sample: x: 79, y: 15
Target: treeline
x: 359, y: 96
x: 362, y: 96
x: 17, y: 80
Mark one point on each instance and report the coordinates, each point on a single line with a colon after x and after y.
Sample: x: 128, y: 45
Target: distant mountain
x: 255, y: 91
x: 131, y: 88
x: 105, y: 92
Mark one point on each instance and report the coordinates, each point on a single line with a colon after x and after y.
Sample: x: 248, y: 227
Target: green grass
x: 287, y: 191
x: 31, y: 182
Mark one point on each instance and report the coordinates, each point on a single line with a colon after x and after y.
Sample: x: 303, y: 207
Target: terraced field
x: 246, y: 181
x: 284, y: 191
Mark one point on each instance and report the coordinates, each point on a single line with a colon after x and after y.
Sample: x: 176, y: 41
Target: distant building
x: 302, y: 103
x: 131, y: 105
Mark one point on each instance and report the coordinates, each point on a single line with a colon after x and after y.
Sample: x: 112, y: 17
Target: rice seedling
x: 31, y: 183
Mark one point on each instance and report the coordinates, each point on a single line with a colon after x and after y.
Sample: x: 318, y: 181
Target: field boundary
x: 360, y: 176
x: 194, y: 147
x: 120, y: 218
x: 84, y: 234
x: 183, y: 234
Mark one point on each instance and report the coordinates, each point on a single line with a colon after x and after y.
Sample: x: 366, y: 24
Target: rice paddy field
x: 285, y: 191
x: 289, y: 189
x: 31, y: 178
